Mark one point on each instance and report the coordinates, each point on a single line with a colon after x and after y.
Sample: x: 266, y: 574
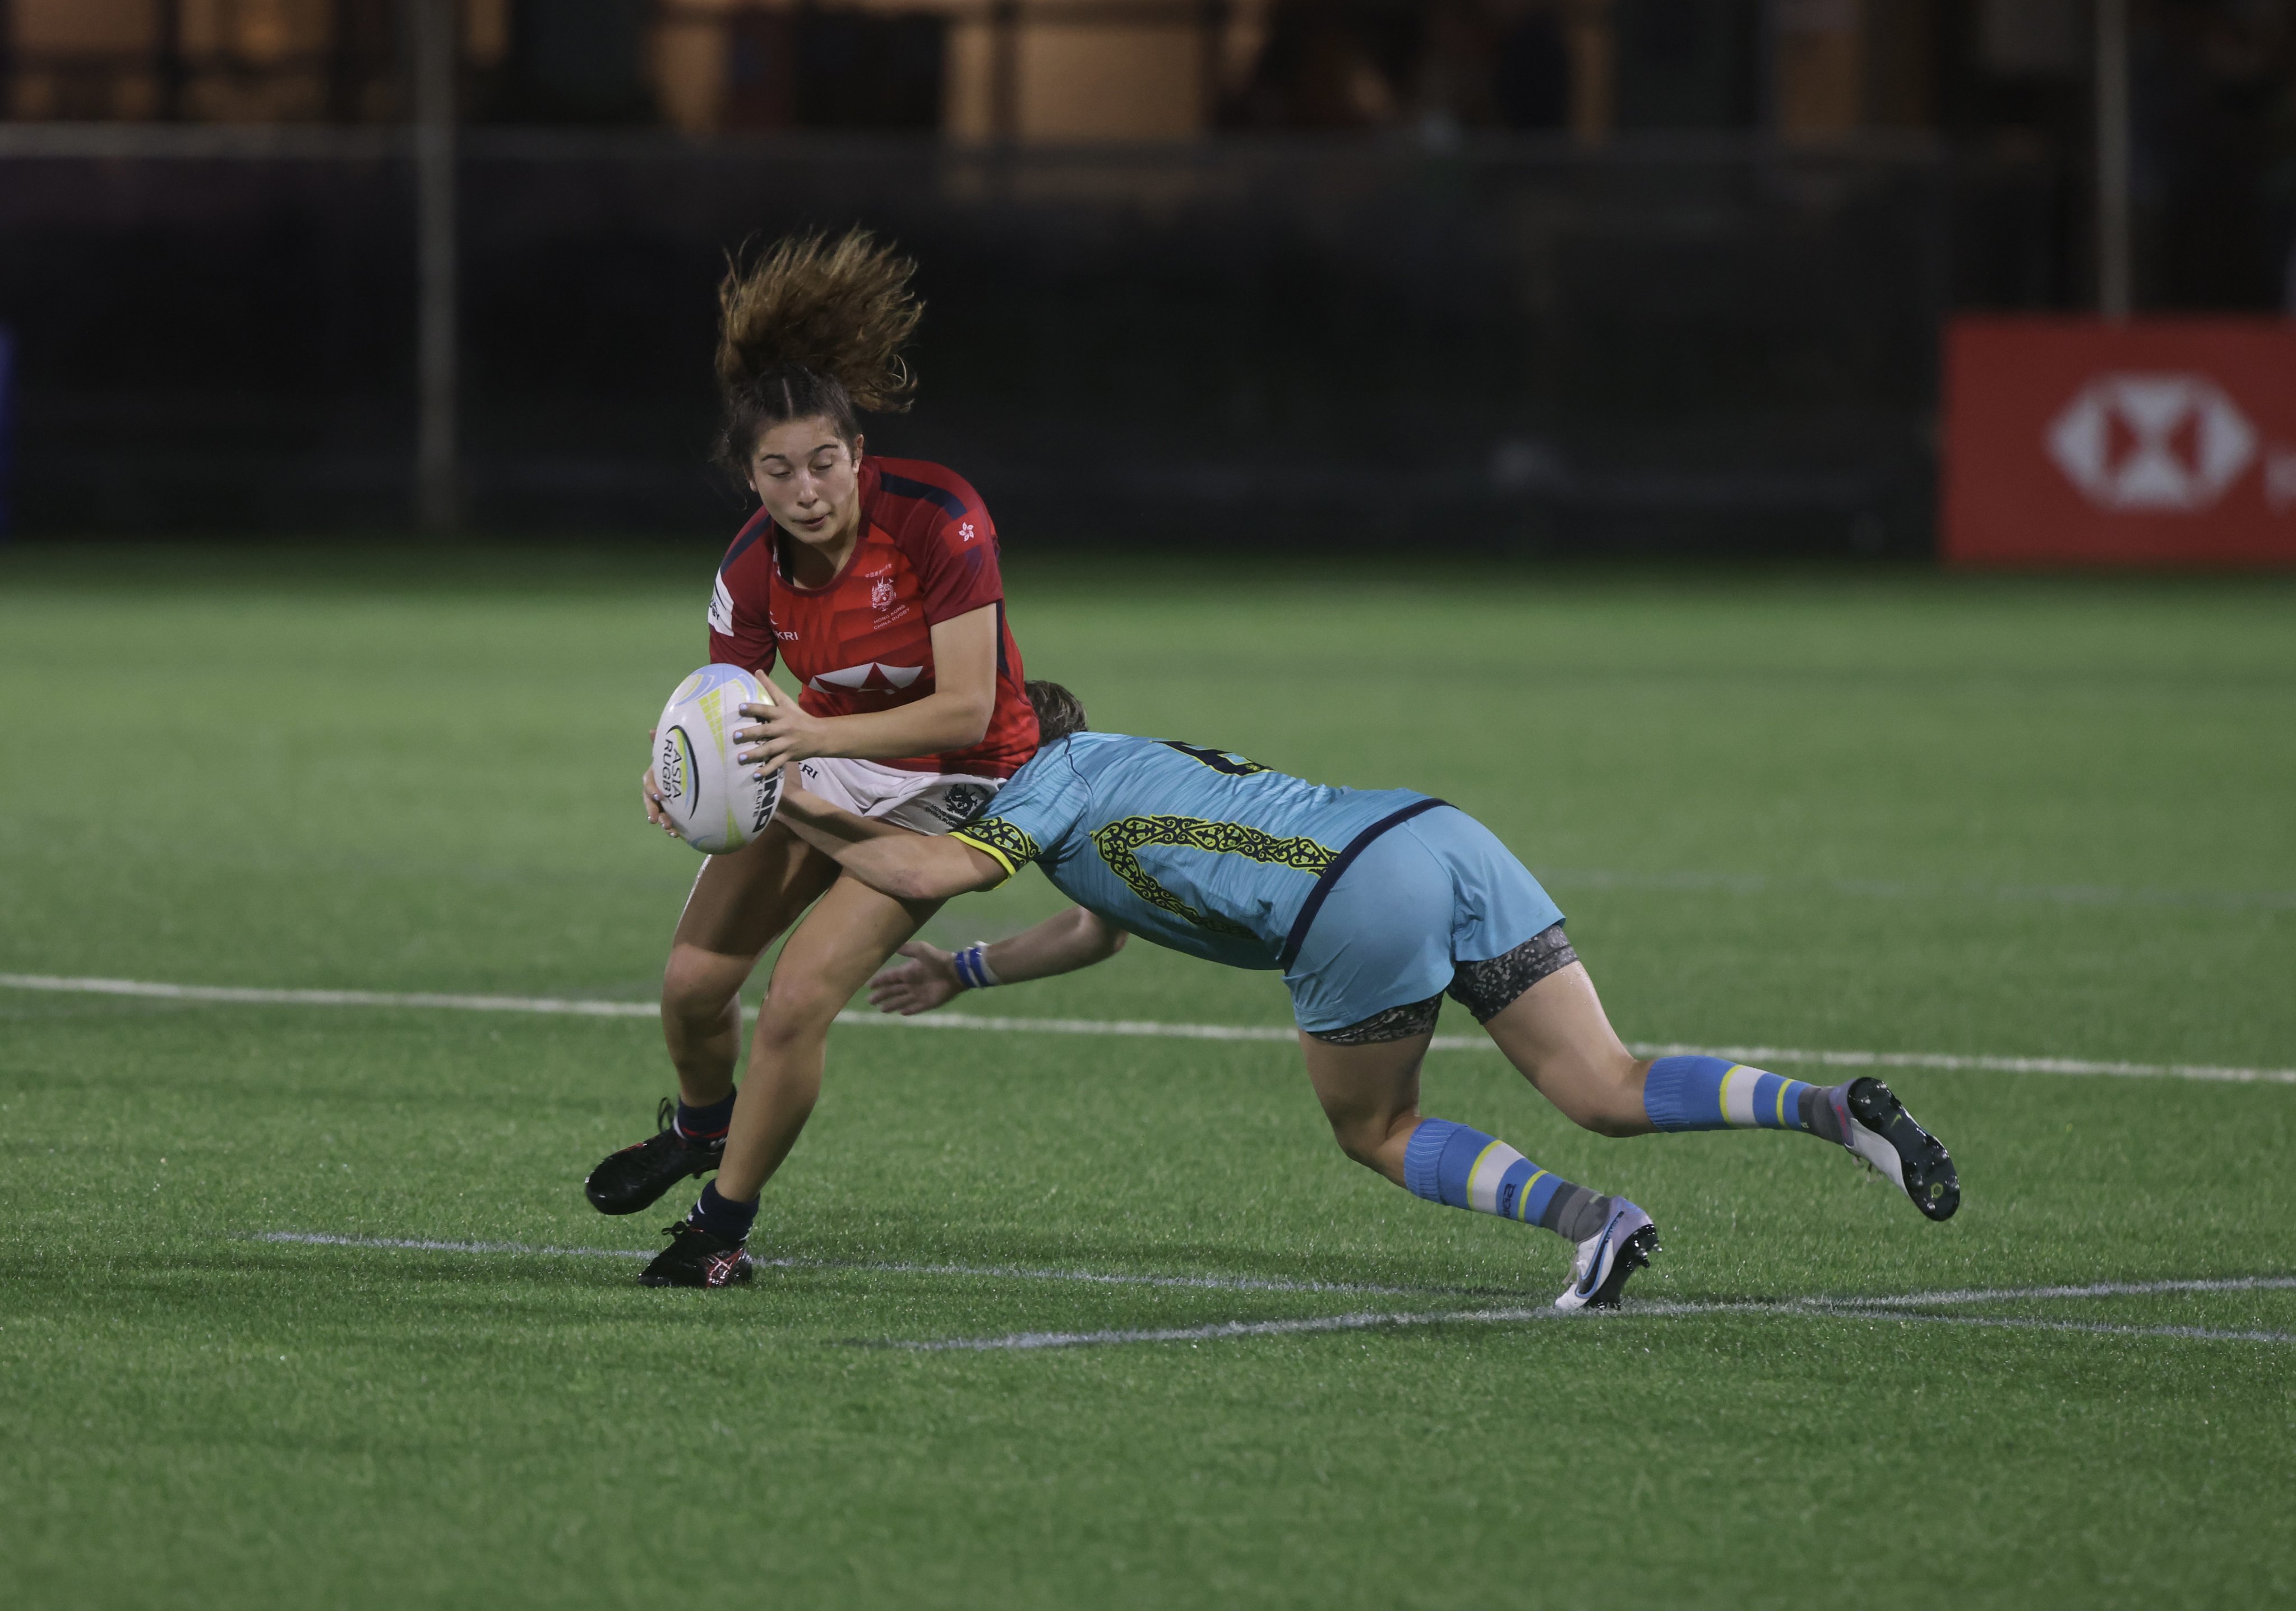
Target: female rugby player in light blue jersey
x: 1374, y: 906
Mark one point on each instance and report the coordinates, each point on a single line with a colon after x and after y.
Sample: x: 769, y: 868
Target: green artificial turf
x: 1898, y: 813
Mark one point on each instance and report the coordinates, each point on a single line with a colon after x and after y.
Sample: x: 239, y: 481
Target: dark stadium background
x: 1802, y: 473
x: 1698, y: 312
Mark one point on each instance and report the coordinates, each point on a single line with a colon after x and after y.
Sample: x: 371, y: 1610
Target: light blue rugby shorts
x: 1431, y: 892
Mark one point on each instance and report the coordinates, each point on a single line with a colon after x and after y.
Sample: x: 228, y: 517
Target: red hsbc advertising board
x: 2156, y: 442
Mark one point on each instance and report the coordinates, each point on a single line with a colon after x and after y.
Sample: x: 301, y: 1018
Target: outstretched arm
x: 1075, y: 938
x: 892, y: 861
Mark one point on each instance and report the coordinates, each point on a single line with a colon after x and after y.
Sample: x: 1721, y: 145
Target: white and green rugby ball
x: 716, y: 801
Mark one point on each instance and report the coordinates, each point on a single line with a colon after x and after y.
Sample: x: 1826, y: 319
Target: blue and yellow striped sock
x: 1450, y: 1163
x: 1715, y: 1093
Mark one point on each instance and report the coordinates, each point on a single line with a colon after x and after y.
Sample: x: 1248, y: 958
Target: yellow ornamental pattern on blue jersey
x: 1009, y: 844
x: 1119, y: 840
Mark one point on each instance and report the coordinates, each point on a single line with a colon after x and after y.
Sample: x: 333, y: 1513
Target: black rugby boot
x: 635, y: 1177
x: 1882, y: 1132
x: 697, y: 1258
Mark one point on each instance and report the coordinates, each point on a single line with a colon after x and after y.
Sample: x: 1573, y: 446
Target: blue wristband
x: 971, y: 965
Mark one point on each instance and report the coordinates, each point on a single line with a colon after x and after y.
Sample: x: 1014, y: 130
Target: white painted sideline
x: 1905, y: 1306
x: 239, y: 995
x: 1221, y: 1283
x: 1762, y: 1055
x: 1224, y: 1329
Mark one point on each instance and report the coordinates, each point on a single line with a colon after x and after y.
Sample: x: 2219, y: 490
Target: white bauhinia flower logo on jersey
x: 853, y: 679
x: 2172, y: 442
x: 964, y: 531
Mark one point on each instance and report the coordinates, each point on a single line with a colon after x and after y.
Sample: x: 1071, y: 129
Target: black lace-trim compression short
x: 1482, y: 988
x: 1489, y: 988
x: 1485, y: 989
x: 1395, y: 1024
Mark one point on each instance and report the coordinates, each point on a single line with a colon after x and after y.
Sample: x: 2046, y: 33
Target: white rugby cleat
x: 1605, y: 1259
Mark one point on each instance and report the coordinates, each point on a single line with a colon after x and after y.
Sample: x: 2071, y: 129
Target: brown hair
x: 1059, y: 712
x: 812, y: 328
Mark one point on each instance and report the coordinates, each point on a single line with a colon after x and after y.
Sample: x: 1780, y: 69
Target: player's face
x: 809, y: 478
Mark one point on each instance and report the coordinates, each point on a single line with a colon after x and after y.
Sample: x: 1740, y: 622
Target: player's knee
x: 797, y: 1009
x: 1618, y: 1127
x: 1363, y: 1137
x: 698, y: 986
x: 1605, y: 1098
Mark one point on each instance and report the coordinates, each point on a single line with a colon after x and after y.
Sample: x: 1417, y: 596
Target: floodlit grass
x: 1999, y: 817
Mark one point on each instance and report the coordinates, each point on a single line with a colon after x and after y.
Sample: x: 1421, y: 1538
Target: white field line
x: 1898, y: 1306
x: 2059, y: 895
x: 2026, y: 1324
x: 1226, y: 1329
x: 1760, y: 1056
x: 417, y: 1244
x: 1221, y: 1331
x: 1221, y: 1283
x: 2017, y: 1295
x: 238, y: 995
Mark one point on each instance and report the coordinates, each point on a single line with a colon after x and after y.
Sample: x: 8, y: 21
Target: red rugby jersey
x: 864, y: 642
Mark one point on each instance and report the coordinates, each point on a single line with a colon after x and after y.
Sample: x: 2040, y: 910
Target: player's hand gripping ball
x: 714, y: 802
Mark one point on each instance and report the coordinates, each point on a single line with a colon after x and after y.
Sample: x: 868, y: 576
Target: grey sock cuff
x: 1819, y: 1114
x: 1574, y: 1213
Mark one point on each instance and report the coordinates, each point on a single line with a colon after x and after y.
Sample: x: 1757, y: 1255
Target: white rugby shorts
x: 922, y: 802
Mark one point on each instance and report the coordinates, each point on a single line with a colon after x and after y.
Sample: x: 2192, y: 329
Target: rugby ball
x: 716, y: 801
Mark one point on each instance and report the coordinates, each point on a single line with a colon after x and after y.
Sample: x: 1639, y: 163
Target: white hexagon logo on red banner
x: 2152, y: 442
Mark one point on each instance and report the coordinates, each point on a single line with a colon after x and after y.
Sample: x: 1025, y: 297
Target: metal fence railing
x: 1713, y: 343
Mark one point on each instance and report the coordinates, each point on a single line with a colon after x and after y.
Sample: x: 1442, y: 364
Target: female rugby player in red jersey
x: 876, y: 582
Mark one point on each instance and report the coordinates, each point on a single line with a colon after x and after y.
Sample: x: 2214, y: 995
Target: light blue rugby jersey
x: 1197, y: 849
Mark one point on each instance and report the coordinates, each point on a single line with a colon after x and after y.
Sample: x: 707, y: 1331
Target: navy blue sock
x: 704, y: 1125
x: 721, y: 1216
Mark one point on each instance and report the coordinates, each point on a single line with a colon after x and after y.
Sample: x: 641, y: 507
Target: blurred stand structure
x: 7, y: 431
x: 1578, y: 273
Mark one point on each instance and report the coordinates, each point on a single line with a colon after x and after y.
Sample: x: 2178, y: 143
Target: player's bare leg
x: 1371, y: 1096
x: 1370, y: 1093
x: 741, y: 903
x: 1558, y: 1035
x: 844, y: 939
